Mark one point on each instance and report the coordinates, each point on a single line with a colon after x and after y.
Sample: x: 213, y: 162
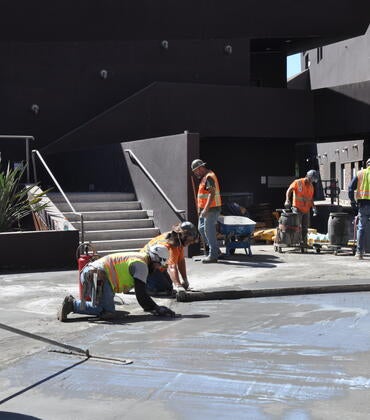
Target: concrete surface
x: 288, y: 357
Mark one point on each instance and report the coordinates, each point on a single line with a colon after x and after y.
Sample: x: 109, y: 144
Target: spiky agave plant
x: 15, y: 203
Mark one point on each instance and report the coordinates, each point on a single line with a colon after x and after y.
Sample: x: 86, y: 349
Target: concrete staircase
x: 113, y: 222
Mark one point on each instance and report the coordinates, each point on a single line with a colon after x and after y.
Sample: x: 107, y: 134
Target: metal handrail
x: 27, y: 139
x: 36, y: 152
x: 136, y: 161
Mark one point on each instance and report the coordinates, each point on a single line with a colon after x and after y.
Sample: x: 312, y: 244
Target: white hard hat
x: 159, y: 254
x: 196, y: 164
x: 312, y: 175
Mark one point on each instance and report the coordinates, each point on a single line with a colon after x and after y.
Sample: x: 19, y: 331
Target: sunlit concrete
x: 297, y: 357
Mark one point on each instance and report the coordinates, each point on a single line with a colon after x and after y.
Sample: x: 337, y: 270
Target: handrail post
x: 82, y: 228
x: 27, y: 140
x: 34, y: 167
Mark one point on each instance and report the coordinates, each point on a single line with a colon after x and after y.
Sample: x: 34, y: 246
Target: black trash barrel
x: 289, y: 228
x: 340, y: 228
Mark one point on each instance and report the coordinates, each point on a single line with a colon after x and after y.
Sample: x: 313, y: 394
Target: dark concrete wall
x: 101, y: 169
x: 39, y: 250
x: 64, y: 80
x: 240, y: 164
x: 147, y: 19
x: 168, y: 160
x: 211, y: 110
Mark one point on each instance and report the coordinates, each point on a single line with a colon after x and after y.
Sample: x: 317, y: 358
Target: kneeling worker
x: 118, y: 273
x: 163, y: 281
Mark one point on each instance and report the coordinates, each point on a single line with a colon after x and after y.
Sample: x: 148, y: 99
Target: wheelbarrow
x: 237, y: 231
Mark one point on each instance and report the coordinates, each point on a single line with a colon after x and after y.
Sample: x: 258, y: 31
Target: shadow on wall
x: 100, y: 169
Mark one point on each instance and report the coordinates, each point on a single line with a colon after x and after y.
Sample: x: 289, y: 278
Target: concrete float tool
x: 192, y: 296
x: 72, y: 349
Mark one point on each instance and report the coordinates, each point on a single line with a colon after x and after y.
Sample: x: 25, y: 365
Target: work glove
x: 163, y: 311
x: 287, y: 204
x: 185, y: 284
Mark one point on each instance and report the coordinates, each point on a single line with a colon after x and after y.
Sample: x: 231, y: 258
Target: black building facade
x: 84, y: 77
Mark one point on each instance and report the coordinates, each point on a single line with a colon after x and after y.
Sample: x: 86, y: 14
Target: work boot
x: 209, y: 260
x: 65, y: 308
x: 360, y: 256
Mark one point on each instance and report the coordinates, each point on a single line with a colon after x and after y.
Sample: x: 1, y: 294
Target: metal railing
x: 136, y: 161
x: 331, y: 189
x: 38, y: 154
x: 27, y: 140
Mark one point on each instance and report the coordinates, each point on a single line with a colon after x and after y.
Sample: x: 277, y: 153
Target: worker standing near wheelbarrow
x: 209, y: 208
x: 299, y: 197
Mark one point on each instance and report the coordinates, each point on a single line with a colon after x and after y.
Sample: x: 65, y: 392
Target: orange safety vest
x: 363, y: 184
x: 203, y: 193
x: 302, y: 195
x: 176, y: 253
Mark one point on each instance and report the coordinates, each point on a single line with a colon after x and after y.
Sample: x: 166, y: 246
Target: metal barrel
x: 340, y: 228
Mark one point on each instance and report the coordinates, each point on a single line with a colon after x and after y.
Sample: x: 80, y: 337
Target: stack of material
x: 262, y: 215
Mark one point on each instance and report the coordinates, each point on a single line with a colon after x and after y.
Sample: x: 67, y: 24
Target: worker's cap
x: 197, y: 163
x: 189, y: 229
x: 159, y: 254
x: 187, y: 232
x: 368, y: 162
x: 313, y: 175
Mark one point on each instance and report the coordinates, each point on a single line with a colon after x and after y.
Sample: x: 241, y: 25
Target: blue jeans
x: 106, y: 303
x: 363, y: 220
x: 207, y: 229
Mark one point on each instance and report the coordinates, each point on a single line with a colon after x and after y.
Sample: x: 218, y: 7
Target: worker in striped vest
x: 118, y: 273
x: 361, y: 204
x: 209, y: 208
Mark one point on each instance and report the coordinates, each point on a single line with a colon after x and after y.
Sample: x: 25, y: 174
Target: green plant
x: 16, y: 202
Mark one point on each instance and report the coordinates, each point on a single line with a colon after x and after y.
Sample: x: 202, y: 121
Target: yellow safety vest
x: 363, y: 184
x: 117, y: 268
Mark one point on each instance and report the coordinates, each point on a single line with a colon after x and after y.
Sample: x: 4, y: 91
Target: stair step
x: 81, y: 197
x: 115, y: 224
x: 123, y: 244
x: 107, y: 215
x: 100, y: 206
x: 103, y: 252
x: 101, y: 235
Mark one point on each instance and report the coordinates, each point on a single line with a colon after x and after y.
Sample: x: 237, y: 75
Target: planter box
x: 47, y: 249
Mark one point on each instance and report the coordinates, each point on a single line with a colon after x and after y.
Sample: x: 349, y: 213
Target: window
x: 319, y: 54
x: 307, y: 61
x: 353, y: 170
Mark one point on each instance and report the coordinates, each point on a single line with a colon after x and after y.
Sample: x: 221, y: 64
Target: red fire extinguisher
x: 85, y: 253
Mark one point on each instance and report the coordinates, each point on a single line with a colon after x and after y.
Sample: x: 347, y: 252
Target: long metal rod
x: 45, y: 340
x: 38, y: 154
x: 136, y: 161
x: 64, y: 346
x: 184, y: 296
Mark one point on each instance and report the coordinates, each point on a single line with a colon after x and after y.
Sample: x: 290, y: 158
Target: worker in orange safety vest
x: 165, y: 281
x: 300, y: 197
x: 209, y: 208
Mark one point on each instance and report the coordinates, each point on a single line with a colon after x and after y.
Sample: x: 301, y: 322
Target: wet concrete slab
x: 291, y: 357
